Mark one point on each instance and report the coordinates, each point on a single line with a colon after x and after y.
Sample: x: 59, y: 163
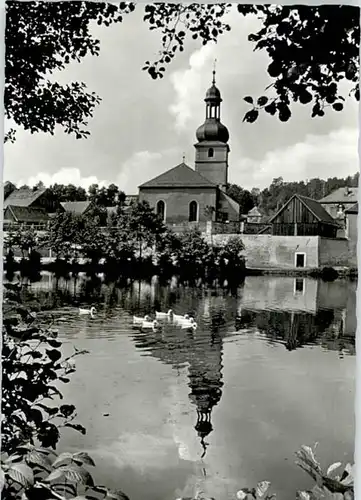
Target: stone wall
x: 265, y: 251
x: 341, y: 253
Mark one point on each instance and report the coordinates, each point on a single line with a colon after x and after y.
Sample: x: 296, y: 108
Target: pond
x: 270, y: 367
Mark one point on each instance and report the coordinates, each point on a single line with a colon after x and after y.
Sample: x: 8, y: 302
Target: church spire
x: 214, y: 72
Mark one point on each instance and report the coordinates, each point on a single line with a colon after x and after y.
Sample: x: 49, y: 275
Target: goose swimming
x: 163, y: 315
x: 90, y: 311
x: 138, y: 321
x: 178, y: 318
x: 150, y: 324
x: 189, y: 324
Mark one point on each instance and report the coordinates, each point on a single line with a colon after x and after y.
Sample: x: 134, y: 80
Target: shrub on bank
x: 133, y: 241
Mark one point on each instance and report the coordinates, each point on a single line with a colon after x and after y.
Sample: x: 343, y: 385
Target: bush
x: 32, y: 416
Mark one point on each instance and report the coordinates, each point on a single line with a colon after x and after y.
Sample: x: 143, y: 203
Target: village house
x: 29, y: 206
x: 77, y: 207
x: 351, y: 215
x: 187, y: 196
x: 254, y: 216
x: 337, y: 202
x: 303, y: 216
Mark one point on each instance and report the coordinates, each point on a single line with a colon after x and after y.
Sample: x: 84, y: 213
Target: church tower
x: 212, y: 148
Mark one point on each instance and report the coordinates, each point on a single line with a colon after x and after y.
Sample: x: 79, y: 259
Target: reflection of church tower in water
x: 205, y: 382
x: 201, y: 352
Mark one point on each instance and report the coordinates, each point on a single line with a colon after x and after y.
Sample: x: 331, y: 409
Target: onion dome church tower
x: 212, y: 149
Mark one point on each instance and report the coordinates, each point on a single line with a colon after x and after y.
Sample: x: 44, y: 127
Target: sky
x: 142, y: 127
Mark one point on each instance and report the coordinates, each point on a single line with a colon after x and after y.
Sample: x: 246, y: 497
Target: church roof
x: 179, y: 176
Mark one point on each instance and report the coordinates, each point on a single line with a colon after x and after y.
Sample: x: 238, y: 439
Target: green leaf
x: 248, y: 99
x: 242, y: 494
x: 53, y: 354
x: 338, y: 106
x: 262, y: 101
x: 84, y: 458
x: 305, y: 97
x: 262, y: 488
x: 77, y: 427
x: 2, y: 479
x: 77, y: 475
x: 333, y: 467
x: 21, y: 474
x: 40, y: 459
x: 63, y: 457
x: 251, y: 116
x: 303, y: 495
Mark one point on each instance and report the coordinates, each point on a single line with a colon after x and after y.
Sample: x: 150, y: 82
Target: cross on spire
x: 214, y: 72
x: 184, y: 157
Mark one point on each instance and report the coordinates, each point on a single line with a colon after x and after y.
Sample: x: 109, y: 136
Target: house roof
x: 27, y: 214
x: 342, y: 195
x: 254, y: 212
x: 23, y: 197
x: 230, y: 200
x: 353, y: 209
x: 179, y: 176
x: 130, y: 198
x: 77, y: 207
x: 313, y: 206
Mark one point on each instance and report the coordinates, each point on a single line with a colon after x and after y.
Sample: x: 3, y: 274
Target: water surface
x: 270, y: 367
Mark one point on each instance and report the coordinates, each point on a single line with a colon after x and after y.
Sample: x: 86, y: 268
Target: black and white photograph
x: 180, y: 225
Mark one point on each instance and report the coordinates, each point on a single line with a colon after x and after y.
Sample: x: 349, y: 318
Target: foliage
x: 65, y: 234
x: 299, y: 72
x: 94, y: 241
x: 34, y: 473
x: 243, y: 197
x: 278, y: 192
x: 60, y: 32
x: 22, y: 237
x: 9, y: 187
x: 106, y: 196
x: 288, y: 34
x: 33, y: 369
x: 328, y: 485
x: 141, y: 223
x: 41, y: 38
x: 231, y: 253
x: 31, y: 363
x: 194, y: 254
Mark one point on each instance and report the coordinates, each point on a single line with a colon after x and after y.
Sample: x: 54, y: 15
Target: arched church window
x: 193, y: 211
x: 161, y: 209
x: 210, y: 153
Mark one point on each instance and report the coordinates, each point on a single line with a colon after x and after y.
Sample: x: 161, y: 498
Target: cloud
x: 64, y: 176
x: 187, y: 84
x: 143, y: 166
x: 329, y: 155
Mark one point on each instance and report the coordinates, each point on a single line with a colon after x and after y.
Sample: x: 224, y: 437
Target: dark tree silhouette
x: 312, y: 50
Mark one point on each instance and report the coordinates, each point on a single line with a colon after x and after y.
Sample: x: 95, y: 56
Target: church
x: 195, y: 195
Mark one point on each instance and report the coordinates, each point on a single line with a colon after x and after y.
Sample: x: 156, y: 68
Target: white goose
x: 189, y: 324
x: 178, y: 318
x: 90, y: 311
x: 150, y: 324
x: 163, y: 315
x: 138, y: 321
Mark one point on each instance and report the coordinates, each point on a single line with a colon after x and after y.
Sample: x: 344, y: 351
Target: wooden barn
x: 302, y: 216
